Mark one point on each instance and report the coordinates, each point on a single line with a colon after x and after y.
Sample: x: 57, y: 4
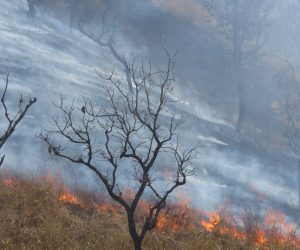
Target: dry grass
x: 32, y: 217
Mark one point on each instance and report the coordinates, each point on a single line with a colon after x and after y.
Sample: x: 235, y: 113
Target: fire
x: 238, y: 234
x: 222, y: 224
x: 67, y: 197
x: 178, y: 216
x: 213, y: 221
x: 260, y: 237
x: 167, y: 222
x: 162, y: 222
x: 277, y: 219
x: 10, y: 182
x: 281, y: 230
x: 106, y: 207
x: 272, y: 229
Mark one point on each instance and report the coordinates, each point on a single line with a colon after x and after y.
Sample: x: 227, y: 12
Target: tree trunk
x: 137, y: 245
x: 137, y: 240
x: 237, y: 57
x: 241, y: 105
x: 238, y: 79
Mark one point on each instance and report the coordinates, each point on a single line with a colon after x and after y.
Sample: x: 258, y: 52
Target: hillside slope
x: 42, y: 214
x: 46, y: 59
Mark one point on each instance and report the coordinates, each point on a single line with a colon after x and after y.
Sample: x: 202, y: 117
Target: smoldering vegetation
x: 48, y: 55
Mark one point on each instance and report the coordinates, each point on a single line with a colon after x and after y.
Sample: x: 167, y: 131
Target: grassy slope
x: 32, y: 217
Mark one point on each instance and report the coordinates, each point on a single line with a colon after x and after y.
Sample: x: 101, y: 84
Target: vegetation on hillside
x: 43, y: 214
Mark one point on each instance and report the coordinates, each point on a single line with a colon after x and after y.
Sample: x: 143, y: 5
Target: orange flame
x: 280, y: 229
x: 67, y: 197
x: 180, y: 216
x: 277, y: 219
x: 273, y: 229
x: 162, y: 222
x: 213, y: 221
x: 106, y: 207
x: 260, y: 237
x: 10, y: 182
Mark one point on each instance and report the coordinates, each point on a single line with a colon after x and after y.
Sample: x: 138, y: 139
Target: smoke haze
x: 46, y: 58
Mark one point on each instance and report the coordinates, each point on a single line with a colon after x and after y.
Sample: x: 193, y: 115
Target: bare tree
x: 140, y: 140
x: 103, y: 35
x: 243, y: 25
x: 99, y: 29
x: 12, y: 121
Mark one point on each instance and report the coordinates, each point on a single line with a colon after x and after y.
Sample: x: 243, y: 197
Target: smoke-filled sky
x: 47, y: 58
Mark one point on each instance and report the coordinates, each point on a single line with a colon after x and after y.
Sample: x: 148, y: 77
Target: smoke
x: 189, y: 9
x: 46, y: 59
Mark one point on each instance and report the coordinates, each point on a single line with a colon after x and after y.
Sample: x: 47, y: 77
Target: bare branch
x: 12, y: 121
x: 104, y: 38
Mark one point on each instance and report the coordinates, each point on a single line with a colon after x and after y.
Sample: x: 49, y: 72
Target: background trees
x: 10, y: 122
x: 103, y: 35
x: 290, y: 110
x: 289, y: 79
x: 140, y: 139
x: 242, y: 23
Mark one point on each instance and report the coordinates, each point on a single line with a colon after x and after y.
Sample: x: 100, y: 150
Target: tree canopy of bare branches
x: 11, y: 121
x: 103, y: 35
x: 140, y: 140
x: 243, y: 24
